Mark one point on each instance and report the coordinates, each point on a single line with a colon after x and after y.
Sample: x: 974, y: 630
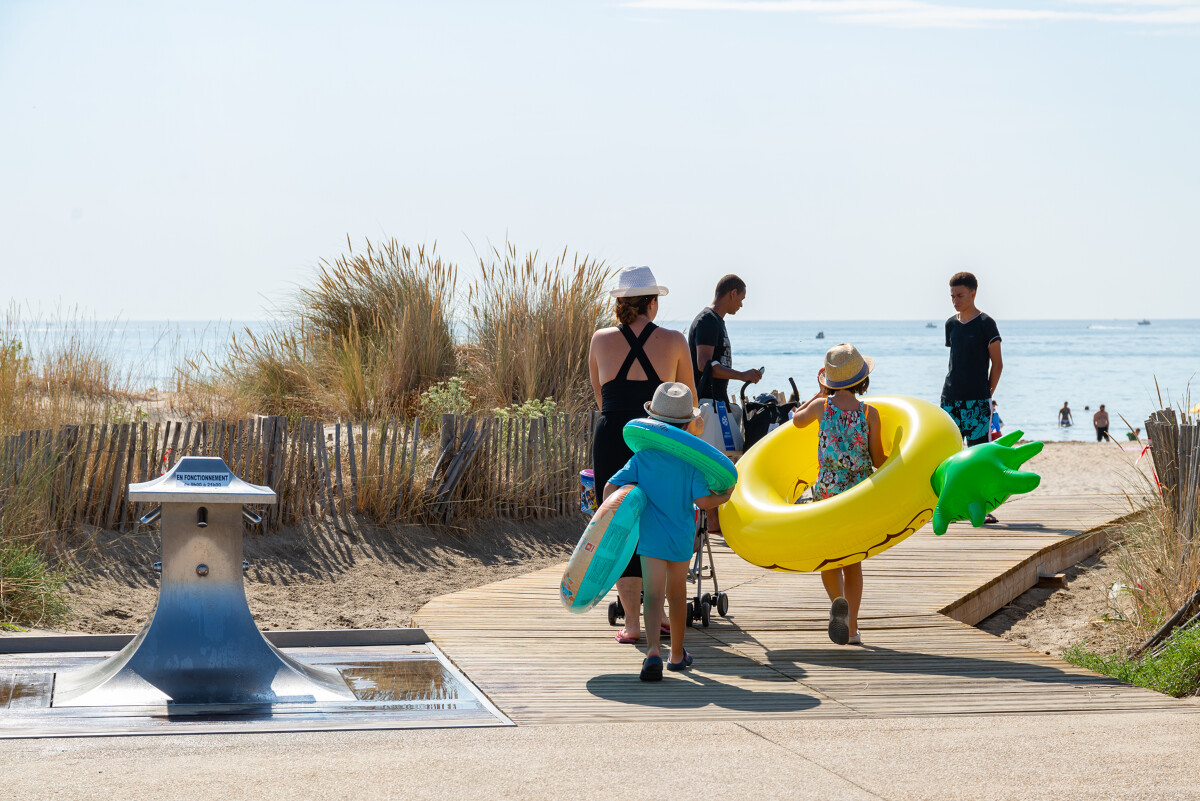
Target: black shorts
x: 1101, y: 433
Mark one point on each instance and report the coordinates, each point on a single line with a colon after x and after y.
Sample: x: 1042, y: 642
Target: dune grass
x: 372, y: 332
x: 376, y: 330
x: 530, y: 325
x: 60, y: 370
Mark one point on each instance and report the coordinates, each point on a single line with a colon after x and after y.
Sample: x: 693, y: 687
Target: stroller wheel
x: 705, y: 609
x: 706, y: 598
x: 614, y: 612
x: 722, y: 604
x: 690, y: 613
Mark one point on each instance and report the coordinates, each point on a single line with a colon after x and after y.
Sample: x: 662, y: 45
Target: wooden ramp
x: 771, y: 658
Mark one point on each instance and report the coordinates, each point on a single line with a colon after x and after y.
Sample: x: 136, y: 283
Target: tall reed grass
x: 373, y: 331
x: 530, y: 327
x: 60, y: 371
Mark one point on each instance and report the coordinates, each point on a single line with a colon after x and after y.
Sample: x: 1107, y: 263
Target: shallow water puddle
x: 403, y: 686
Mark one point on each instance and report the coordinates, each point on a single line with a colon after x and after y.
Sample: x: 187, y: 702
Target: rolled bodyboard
x: 604, y: 550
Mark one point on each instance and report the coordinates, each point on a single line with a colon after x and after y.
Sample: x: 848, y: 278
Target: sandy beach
x: 321, y: 577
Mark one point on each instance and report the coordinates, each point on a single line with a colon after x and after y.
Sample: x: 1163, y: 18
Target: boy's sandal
x: 682, y: 664
x: 651, y: 669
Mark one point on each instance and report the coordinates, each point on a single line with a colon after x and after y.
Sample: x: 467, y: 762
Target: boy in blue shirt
x: 667, y: 526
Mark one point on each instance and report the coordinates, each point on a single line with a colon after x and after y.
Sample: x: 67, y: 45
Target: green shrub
x: 528, y: 410
x: 1174, y: 669
x: 30, y: 591
x: 451, y: 396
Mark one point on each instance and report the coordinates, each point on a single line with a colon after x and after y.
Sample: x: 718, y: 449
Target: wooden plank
x: 323, y: 455
x: 353, y: 468
x: 81, y: 477
x: 416, y: 453
x: 123, y: 506
x: 337, y: 461
x: 118, y: 474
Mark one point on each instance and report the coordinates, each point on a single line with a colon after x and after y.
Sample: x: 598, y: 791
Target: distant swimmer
x: 1100, y: 421
x: 1064, y: 416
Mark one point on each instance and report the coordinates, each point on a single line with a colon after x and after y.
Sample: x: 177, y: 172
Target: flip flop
x: 682, y: 664
x: 625, y: 639
x: 651, y: 669
x: 664, y: 628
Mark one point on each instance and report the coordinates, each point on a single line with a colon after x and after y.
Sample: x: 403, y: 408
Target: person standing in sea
x: 627, y: 363
x: 1100, y: 423
x: 975, y: 363
x: 1064, y: 415
x: 712, y: 354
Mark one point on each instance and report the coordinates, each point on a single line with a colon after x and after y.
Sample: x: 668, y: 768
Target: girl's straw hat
x: 845, y: 366
x: 672, y: 403
x: 634, y: 282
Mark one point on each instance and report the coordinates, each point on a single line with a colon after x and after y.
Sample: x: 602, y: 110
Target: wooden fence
x: 453, y: 469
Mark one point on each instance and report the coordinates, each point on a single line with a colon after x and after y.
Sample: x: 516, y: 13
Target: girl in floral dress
x: 849, y: 447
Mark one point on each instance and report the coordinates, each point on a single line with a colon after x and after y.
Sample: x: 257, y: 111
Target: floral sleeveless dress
x: 843, y: 451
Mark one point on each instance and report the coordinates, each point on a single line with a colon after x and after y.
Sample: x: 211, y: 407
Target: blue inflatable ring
x: 648, y: 434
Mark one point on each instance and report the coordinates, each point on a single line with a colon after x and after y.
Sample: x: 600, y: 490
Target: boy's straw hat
x: 672, y: 403
x: 634, y: 282
x: 845, y: 366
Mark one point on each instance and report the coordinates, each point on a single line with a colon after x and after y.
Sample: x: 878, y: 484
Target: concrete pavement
x: 1103, y: 756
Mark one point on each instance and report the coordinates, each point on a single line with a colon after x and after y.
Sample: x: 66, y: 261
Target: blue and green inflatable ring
x: 648, y: 434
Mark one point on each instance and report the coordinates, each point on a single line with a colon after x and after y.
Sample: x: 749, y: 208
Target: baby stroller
x: 701, y: 604
x: 764, y: 413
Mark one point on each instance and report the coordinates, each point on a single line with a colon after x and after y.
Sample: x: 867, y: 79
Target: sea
x: 1133, y: 369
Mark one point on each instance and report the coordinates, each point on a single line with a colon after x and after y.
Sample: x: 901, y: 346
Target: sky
x: 845, y: 157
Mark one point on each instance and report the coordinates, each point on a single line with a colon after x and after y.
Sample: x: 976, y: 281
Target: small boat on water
x: 820, y: 335
x: 930, y: 325
x: 1143, y: 322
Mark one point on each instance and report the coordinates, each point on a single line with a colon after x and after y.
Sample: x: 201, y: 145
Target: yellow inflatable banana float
x: 764, y: 525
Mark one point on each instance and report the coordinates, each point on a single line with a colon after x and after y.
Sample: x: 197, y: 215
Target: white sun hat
x: 634, y: 282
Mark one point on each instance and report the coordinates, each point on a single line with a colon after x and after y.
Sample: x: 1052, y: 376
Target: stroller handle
x: 792, y: 381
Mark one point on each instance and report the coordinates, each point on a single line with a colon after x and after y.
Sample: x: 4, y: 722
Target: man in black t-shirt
x: 975, y: 362
x: 708, y: 340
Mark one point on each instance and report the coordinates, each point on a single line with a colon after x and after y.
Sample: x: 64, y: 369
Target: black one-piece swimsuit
x: 623, y: 400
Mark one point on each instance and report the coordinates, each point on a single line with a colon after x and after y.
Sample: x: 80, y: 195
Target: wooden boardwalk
x: 771, y: 658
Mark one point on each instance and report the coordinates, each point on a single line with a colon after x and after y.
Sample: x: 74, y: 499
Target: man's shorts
x: 973, y: 417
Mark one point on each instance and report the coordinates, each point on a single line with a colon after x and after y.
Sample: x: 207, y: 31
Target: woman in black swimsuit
x: 627, y: 364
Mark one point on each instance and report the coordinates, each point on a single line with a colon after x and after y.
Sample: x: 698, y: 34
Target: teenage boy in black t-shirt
x: 975, y: 362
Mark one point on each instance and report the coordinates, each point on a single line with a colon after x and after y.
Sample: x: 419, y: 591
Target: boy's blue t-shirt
x: 668, y: 523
